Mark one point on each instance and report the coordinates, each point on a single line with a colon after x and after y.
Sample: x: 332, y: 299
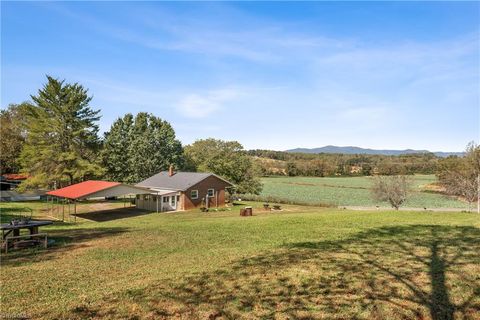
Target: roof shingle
x: 180, y: 181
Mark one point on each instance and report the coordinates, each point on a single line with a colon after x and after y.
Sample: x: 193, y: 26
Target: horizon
x: 274, y: 76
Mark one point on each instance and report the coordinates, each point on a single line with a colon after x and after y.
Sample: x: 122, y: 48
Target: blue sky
x: 270, y: 75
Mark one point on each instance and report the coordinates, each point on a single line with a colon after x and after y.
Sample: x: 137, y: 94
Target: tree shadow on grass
x: 404, y: 272
x: 60, y: 241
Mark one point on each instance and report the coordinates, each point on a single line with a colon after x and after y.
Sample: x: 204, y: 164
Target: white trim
x: 213, y: 193
x: 191, y: 194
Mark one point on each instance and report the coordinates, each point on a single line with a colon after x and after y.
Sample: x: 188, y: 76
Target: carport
x: 88, y: 190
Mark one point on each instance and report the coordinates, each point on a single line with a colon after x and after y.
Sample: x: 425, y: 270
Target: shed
x: 96, y: 189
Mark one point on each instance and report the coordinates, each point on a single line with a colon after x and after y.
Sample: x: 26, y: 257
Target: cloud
x: 202, y: 105
x: 257, y: 40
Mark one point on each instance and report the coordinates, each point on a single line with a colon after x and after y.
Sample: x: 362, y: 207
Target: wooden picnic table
x: 32, y: 226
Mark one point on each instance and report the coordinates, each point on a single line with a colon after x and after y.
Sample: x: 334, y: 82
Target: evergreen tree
x: 116, y: 149
x: 137, y: 148
x: 62, y: 142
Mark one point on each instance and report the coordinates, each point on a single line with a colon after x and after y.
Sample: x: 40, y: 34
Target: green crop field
x: 299, y: 263
x: 351, y: 191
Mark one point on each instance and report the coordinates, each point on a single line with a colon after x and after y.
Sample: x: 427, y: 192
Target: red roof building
x: 14, y: 176
x: 96, y: 188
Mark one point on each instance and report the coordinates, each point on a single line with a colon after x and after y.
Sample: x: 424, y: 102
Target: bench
x: 28, y: 240
x: 277, y: 207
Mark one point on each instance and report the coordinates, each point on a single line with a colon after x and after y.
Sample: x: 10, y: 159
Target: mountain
x: 357, y: 150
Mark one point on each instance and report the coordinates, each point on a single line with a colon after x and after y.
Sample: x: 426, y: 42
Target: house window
x: 211, y: 193
x: 147, y: 197
x: 194, y: 194
x: 178, y: 198
x: 165, y: 199
x: 172, y: 201
x: 138, y: 196
x: 154, y: 198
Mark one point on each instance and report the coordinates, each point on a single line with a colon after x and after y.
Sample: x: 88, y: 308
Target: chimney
x: 170, y: 171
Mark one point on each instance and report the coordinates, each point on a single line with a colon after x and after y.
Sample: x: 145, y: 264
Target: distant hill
x: 357, y: 150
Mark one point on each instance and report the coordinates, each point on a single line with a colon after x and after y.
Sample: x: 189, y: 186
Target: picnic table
x: 14, y: 229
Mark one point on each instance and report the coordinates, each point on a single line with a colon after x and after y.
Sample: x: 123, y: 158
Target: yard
x: 300, y: 263
x: 352, y: 191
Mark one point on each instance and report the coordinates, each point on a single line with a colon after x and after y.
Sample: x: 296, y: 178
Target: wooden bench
x: 28, y: 240
x: 277, y: 207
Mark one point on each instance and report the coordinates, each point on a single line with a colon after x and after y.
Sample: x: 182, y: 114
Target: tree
x: 291, y: 169
x: 62, y: 142
x: 461, y: 176
x: 13, y: 131
x: 226, y: 159
x: 393, y: 189
x: 137, y: 148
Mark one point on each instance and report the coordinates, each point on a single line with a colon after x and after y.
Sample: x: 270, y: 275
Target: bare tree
x: 461, y: 176
x: 473, y: 160
x: 393, y: 189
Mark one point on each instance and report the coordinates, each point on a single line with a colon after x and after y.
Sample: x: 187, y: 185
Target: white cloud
x: 202, y: 105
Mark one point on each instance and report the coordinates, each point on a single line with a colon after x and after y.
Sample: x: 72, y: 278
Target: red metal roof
x: 15, y: 176
x: 82, y: 189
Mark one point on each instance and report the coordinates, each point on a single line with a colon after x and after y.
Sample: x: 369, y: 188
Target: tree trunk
x: 70, y: 176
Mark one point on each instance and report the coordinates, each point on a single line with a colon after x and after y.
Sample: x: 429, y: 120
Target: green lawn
x: 351, y: 191
x: 301, y: 263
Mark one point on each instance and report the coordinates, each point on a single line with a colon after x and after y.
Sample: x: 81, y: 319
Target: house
x: 10, y: 181
x: 173, y: 191
x: 8, y: 184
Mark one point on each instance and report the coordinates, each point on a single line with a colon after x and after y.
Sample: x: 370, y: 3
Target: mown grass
x: 351, y: 191
x: 300, y: 263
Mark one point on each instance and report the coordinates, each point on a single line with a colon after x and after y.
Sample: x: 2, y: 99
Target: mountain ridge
x: 358, y: 150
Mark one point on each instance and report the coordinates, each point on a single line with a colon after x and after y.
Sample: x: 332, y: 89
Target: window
x: 138, y: 196
x: 172, y: 201
x: 211, y: 193
x: 165, y: 199
x: 178, y: 198
x: 147, y: 197
x: 154, y: 198
x: 194, y: 194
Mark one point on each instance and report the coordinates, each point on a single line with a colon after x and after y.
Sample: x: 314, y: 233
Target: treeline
x: 54, y: 140
x: 325, y: 164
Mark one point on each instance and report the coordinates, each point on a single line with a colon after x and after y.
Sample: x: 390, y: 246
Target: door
x: 173, y: 202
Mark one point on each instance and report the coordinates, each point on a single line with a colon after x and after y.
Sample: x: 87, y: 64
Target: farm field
x: 351, y: 191
x: 300, y: 263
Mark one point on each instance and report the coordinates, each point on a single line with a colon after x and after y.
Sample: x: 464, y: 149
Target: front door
x: 173, y: 202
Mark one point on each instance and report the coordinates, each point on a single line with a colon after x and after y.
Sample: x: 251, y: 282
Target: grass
x: 300, y: 263
x: 351, y: 191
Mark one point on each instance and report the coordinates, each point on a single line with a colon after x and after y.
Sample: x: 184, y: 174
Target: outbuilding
x: 94, y: 189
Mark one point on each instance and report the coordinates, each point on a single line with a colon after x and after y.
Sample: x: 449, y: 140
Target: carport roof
x: 89, y: 188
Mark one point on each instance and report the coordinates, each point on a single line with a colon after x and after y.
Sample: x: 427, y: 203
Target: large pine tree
x: 138, y: 147
x: 62, y: 142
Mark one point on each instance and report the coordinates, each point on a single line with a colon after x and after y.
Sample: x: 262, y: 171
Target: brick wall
x: 211, y: 182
